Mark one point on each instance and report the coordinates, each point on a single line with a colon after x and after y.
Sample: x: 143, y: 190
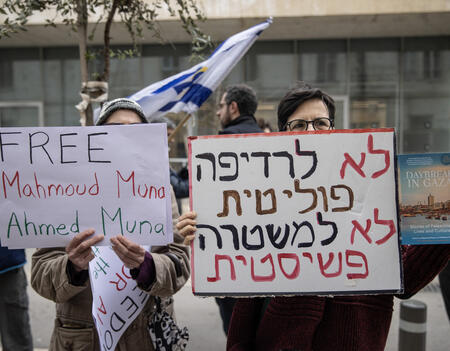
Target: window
x: 6, y: 74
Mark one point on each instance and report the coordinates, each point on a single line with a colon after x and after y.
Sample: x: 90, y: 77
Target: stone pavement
x: 438, y: 325
x: 201, y: 315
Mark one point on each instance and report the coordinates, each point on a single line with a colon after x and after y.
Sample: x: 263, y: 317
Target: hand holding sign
x: 131, y: 254
x: 79, y: 249
x: 186, y: 225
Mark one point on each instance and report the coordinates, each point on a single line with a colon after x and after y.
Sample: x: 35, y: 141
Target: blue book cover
x: 424, y: 198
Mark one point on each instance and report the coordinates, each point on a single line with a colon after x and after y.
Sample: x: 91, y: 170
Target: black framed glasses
x: 300, y: 125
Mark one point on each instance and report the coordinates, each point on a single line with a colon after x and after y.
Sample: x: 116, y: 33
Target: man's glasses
x: 300, y: 125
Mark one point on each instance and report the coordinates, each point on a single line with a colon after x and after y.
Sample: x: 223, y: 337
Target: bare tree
x: 135, y: 15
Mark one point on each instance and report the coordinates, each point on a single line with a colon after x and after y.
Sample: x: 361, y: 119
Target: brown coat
x: 74, y: 327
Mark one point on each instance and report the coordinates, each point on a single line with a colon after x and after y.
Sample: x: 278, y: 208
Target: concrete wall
x: 293, y: 19
x: 305, y: 8
x: 246, y: 9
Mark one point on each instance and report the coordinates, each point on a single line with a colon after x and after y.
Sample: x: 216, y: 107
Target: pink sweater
x: 341, y: 323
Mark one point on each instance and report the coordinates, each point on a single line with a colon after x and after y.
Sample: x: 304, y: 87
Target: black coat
x: 242, y: 125
x: 10, y: 259
x: 180, y: 183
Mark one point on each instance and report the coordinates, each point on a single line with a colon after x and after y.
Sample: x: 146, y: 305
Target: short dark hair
x: 244, y: 96
x: 297, y: 96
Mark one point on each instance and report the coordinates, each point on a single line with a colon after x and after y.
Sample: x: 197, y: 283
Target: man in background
x: 15, y: 332
x: 236, y: 112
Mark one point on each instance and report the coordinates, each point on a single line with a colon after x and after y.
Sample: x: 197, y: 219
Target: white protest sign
x: 116, y: 299
x: 295, y: 213
x: 58, y: 181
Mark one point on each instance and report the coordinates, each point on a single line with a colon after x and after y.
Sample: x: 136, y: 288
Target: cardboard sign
x: 116, y: 299
x: 295, y: 213
x: 424, y: 198
x: 58, y: 181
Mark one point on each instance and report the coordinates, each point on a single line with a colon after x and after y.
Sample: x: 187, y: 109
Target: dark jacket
x: 242, y: 125
x: 180, y: 183
x: 11, y: 259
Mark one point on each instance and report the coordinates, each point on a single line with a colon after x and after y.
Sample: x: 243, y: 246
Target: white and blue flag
x: 188, y: 90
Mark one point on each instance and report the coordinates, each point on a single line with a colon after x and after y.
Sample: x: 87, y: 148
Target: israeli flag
x: 188, y: 90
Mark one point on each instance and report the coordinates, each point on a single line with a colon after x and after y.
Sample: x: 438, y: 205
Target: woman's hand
x: 79, y: 249
x: 131, y: 254
x: 186, y: 226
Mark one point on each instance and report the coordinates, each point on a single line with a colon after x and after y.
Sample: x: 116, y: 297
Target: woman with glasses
x: 321, y: 323
x: 61, y: 274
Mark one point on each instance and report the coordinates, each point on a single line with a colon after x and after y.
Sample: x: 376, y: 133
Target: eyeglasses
x: 300, y: 125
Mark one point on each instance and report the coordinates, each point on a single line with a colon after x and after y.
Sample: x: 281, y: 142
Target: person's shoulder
x: 229, y: 130
x: 244, y: 125
x: 249, y: 128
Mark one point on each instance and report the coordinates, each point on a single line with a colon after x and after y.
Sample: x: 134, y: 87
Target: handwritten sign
x: 58, y: 181
x: 295, y: 213
x: 117, y: 300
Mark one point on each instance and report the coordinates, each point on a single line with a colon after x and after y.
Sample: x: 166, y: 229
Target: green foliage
x: 136, y: 15
x: 123, y: 54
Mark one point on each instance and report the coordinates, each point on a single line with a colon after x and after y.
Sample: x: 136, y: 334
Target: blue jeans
x: 15, y: 331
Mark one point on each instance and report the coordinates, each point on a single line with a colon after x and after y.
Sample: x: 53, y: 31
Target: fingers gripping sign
x: 131, y: 254
x: 79, y: 249
x: 187, y: 226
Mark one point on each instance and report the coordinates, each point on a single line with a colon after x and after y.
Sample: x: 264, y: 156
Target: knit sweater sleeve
x: 244, y: 324
x: 421, y: 264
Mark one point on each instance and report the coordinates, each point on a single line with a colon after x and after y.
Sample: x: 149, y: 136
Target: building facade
x: 387, y: 64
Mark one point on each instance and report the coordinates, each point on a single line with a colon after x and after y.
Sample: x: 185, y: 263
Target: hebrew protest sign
x: 295, y: 213
x: 424, y: 183
x: 58, y: 181
x: 116, y: 299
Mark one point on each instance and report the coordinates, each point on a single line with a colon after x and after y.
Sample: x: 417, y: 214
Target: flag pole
x: 179, y: 126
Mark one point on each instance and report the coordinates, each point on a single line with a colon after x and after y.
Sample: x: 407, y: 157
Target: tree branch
x: 107, y: 40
